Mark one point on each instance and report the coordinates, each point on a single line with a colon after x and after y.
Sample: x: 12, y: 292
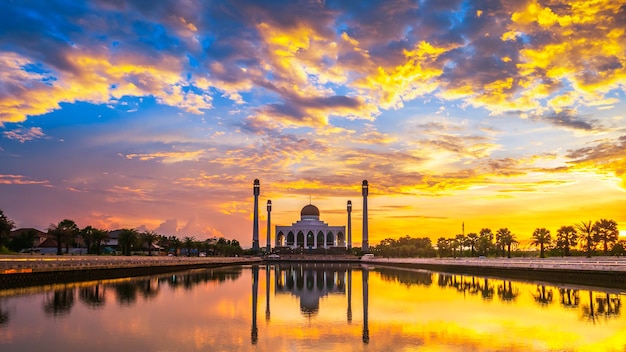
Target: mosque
x: 310, y: 232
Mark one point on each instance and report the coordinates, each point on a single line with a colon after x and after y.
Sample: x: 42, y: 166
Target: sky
x: 158, y: 115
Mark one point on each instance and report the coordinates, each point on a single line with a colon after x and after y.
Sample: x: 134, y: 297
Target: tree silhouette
x: 566, y: 238
x: 606, y: 232
x: 64, y: 232
x: 586, y: 229
x: 6, y: 226
x: 541, y: 237
x: 127, y: 240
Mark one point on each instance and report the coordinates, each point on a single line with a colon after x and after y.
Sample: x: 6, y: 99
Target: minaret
x: 269, y: 210
x: 255, y: 225
x: 364, y: 191
x: 254, y: 335
x: 349, y: 225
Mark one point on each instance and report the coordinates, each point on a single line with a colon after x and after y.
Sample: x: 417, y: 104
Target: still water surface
x: 314, y: 307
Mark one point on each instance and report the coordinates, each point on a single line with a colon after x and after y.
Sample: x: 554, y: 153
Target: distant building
x: 310, y: 232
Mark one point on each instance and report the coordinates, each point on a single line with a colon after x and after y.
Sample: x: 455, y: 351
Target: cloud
x: 21, y: 180
x: 22, y: 134
x: 604, y: 157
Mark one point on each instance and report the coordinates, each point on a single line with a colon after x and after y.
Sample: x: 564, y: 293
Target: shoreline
x: 27, y: 270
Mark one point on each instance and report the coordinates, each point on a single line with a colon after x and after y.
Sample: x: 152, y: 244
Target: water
x: 311, y: 308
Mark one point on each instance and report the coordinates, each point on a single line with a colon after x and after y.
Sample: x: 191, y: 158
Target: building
x: 310, y: 232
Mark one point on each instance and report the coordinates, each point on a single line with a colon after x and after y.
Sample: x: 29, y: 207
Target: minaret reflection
x: 349, y: 295
x: 267, y: 292
x: 366, y: 331
x: 254, y: 336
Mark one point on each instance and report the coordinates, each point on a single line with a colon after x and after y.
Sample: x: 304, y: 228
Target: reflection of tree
x: 4, y: 316
x: 59, y: 302
x: 189, y: 279
x: 487, y: 290
x: 126, y: 293
x: 93, y: 296
x: 542, y: 295
x: 407, y: 278
x: 149, y: 288
x: 589, y: 311
x: 569, y: 297
x: 609, y: 306
x: 506, y: 292
x: 467, y: 285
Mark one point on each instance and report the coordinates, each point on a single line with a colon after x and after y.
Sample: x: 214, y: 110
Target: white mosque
x: 310, y: 232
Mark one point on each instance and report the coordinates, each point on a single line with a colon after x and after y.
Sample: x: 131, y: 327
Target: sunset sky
x: 159, y: 115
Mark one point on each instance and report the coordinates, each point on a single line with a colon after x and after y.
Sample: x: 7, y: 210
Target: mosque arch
x: 290, y: 239
x: 300, y: 239
x: 309, y: 239
x: 330, y: 239
x: 341, y: 240
x: 280, y: 239
x: 320, y: 239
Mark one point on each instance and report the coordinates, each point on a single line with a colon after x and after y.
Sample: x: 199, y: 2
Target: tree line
x: 585, y: 238
x: 68, y: 235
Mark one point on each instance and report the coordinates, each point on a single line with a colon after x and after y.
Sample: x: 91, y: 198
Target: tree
x: 127, y: 240
x: 6, y: 226
x: 24, y: 240
x: 189, y: 243
x: 541, y: 237
x: 87, y: 236
x: 606, y: 232
x: 100, y: 236
x: 472, y: 240
x: 149, y: 237
x: 64, y: 232
x: 566, y: 238
x: 461, y: 241
x: 505, y: 239
x: 586, y: 229
x: 485, y: 241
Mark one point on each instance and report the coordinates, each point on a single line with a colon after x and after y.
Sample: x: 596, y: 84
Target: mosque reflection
x: 310, y: 283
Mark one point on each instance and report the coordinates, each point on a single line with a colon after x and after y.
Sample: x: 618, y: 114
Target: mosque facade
x: 310, y: 232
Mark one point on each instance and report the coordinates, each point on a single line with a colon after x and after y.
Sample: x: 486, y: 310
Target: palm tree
x: 461, y: 240
x: 566, y: 237
x: 6, y: 226
x: 64, y: 232
x: 442, y: 246
x: 472, y: 240
x: 541, y: 237
x: 174, y: 243
x: 607, y: 232
x: 586, y: 229
x: 189, y: 243
x: 100, y: 236
x: 87, y: 236
x: 127, y: 240
x: 149, y: 237
x: 485, y: 242
x: 505, y: 238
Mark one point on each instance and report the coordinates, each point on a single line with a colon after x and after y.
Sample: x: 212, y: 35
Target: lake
x: 311, y: 307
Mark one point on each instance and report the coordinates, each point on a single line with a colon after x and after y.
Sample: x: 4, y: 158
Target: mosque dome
x: 310, y: 210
